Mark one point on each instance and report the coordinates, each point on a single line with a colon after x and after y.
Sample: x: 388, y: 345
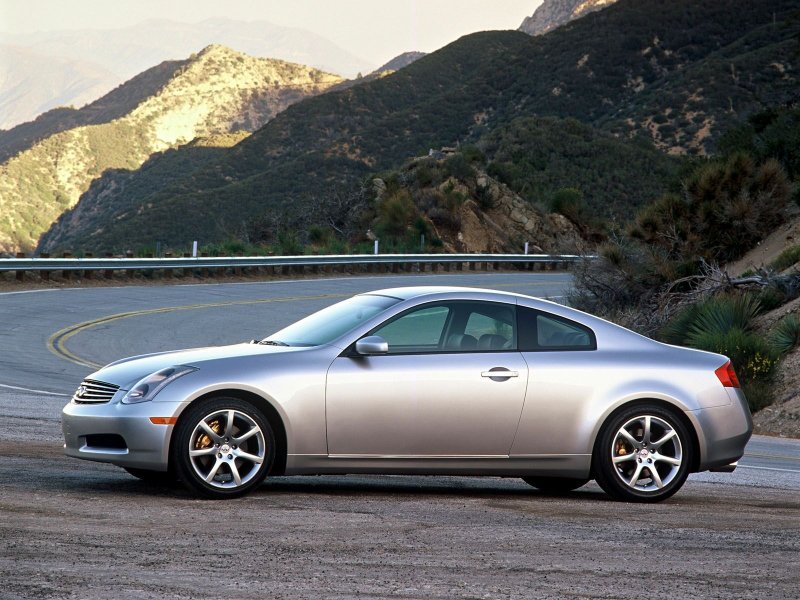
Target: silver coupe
x: 421, y: 380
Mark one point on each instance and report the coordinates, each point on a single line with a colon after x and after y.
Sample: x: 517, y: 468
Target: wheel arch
x: 671, y: 407
x: 262, y: 404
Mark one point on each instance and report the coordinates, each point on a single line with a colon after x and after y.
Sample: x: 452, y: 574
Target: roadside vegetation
x: 662, y: 274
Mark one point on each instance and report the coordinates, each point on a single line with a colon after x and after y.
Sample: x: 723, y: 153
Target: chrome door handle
x: 499, y: 372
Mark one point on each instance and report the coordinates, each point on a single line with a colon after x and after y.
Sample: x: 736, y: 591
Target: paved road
x: 72, y: 529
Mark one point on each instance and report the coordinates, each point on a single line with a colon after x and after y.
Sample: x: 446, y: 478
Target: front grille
x: 94, y: 392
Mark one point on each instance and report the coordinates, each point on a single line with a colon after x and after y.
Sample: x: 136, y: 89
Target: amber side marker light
x: 163, y: 420
x: 727, y: 376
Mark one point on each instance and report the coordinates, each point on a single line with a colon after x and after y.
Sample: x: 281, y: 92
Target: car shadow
x: 416, y: 486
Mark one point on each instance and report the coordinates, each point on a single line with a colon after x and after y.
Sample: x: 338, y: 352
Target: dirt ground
x: 72, y: 529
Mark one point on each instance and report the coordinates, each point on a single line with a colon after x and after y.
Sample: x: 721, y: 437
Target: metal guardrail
x: 394, y: 262
x: 211, y: 262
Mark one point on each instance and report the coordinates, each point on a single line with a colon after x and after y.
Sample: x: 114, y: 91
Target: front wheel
x: 643, y: 454
x: 555, y: 485
x: 224, y: 447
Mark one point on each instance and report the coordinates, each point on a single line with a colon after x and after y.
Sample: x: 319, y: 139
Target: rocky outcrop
x: 216, y: 91
x: 555, y: 13
x: 499, y: 220
x: 474, y: 213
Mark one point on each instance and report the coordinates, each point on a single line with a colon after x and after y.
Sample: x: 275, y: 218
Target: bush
x: 725, y: 208
x: 786, y: 334
x: 570, y: 203
x: 723, y: 314
x: 786, y: 259
x: 752, y: 356
x: 319, y: 235
x: 771, y: 297
x: 759, y: 395
x: 458, y: 166
x: 395, y: 214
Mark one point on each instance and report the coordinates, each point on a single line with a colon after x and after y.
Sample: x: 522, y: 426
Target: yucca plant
x: 724, y: 324
x: 722, y: 314
x: 786, y: 334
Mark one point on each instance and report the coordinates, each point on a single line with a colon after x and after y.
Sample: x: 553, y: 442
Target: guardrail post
x: 184, y: 272
x: 204, y: 270
x: 65, y: 273
x: 87, y: 273
x: 167, y: 272
x: 128, y: 272
x: 45, y: 275
x: 109, y: 273
x: 20, y: 274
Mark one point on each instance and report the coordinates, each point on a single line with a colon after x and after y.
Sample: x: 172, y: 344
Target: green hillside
x: 621, y: 69
x: 216, y: 91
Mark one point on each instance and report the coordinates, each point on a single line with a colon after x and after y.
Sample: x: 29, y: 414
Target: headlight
x: 148, y: 387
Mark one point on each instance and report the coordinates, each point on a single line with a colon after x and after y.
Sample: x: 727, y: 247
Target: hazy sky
x: 370, y: 29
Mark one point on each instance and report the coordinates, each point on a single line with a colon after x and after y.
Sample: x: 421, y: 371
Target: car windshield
x: 326, y: 325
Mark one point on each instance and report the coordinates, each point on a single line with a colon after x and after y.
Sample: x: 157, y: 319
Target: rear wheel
x: 224, y: 447
x: 643, y: 454
x: 555, y: 485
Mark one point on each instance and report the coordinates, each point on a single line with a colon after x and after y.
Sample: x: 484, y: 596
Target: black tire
x: 555, y: 485
x: 221, y: 457
x: 154, y: 477
x: 656, y: 468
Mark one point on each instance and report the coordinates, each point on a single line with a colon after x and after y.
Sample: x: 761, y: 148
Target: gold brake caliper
x: 620, y: 450
x: 204, y: 441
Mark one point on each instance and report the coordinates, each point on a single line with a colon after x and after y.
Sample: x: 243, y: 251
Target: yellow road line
x: 57, y: 342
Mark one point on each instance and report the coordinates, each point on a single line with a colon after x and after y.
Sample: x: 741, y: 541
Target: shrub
x: 319, y: 235
x: 458, y: 166
x: 771, y: 297
x: 570, y: 203
x: 759, y: 395
x: 786, y: 334
x: 786, y: 259
x: 395, y: 214
x: 289, y: 244
x: 722, y: 314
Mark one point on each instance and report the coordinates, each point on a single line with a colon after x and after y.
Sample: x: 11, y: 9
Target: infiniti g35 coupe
x: 421, y: 380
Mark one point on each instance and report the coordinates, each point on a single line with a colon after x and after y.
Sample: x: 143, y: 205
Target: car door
x: 452, y: 384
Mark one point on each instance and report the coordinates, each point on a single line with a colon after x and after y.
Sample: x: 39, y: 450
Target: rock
x: 379, y: 187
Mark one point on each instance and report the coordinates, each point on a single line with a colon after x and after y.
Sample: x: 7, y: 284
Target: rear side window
x: 540, y: 331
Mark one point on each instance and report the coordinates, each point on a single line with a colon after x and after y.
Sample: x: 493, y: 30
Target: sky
x: 370, y: 29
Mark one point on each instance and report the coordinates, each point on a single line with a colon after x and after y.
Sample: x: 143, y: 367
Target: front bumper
x: 121, y: 434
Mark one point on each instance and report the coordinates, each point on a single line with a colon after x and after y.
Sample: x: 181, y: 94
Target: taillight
x: 727, y: 376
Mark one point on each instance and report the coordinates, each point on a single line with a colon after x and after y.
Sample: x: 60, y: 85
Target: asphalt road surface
x: 74, y: 529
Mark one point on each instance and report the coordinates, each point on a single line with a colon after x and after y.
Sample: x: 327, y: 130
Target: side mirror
x: 371, y: 345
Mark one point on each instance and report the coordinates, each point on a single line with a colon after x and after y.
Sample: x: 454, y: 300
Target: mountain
x: 120, y: 54
x: 114, y: 105
x: 216, y: 91
x: 31, y: 84
x: 616, y: 70
x: 555, y: 13
x: 400, y: 61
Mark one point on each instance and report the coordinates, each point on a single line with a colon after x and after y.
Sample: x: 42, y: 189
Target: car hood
x: 127, y: 372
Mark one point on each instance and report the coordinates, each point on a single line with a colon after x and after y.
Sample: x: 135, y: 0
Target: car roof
x: 406, y: 293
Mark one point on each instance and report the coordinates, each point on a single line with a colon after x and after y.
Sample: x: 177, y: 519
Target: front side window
x: 416, y: 331
x: 448, y: 327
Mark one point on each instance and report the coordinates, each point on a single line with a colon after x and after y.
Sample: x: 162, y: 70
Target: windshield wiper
x: 272, y: 343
